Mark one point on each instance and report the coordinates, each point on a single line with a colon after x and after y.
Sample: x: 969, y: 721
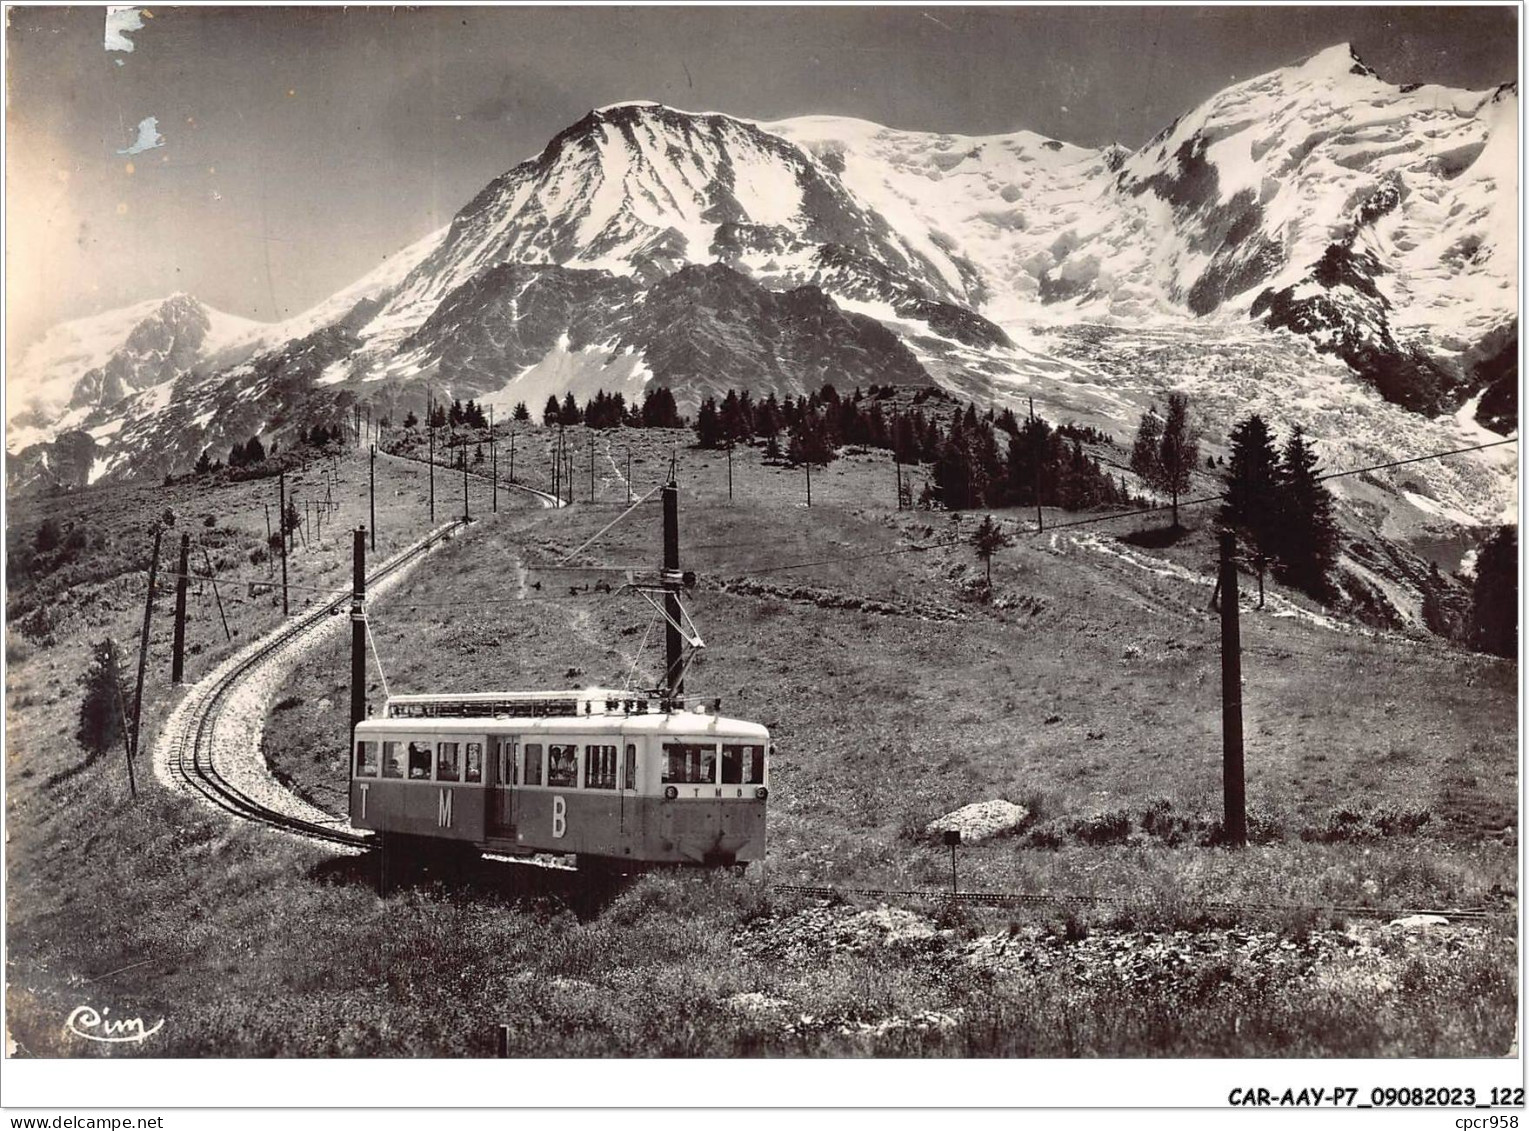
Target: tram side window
x: 474, y: 762
x: 448, y: 761
x: 599, y: 767
x: 690, y: 763
x: 629, y: 779
x: 392, y: 759
x: 419, y: 761
x: 533, y: 764
x: 742, y: 765
x: 562, y: 763
x: 366, y: 759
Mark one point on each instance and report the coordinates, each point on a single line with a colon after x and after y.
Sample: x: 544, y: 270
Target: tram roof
x: 676, y: 723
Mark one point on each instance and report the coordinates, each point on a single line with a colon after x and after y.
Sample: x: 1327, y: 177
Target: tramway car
x: 611, y: 779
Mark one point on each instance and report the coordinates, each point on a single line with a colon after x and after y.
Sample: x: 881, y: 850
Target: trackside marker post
x: 1235, y: 819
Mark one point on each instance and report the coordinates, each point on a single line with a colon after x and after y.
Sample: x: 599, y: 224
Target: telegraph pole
x: 809, y: 482
x: 629, y: 475
x: 282, y: 524
x: 512, y: 450
x: 493, y: 455
x: 178, y: 647
x: 591, y: 467
x: 143, y: 640
x: 1234, y: 803
x: 358, y: 628
x: 674, y: 685
x: 372, y: 492
x: 466, y: 514
x: 432, y: 472
x: 729, y: 469
x: 127, y: 749
x: 215, y: 594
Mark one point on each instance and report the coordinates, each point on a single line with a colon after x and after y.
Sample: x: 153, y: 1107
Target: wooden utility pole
x: 674, y: 685
x: 218, y: 597
x: 372, y: 491
x: 358, y: 629
x: 591, y: 467
x: 512, y: 450
x: 897, y: 470
x: 143, y: 640
x: 267, y: 507
x: 282, y: 517
x: 493, y: 457
x: 127, y: 748
x: 629, y: 475
x: 1234, y: 803
x: 178, y: 646
x: 432, y: 473
x: 729, y: 469
x: 466, y: 513
x: 809, y: 482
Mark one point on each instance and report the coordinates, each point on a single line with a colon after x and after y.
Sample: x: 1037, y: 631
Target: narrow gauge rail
x: 193, y: 761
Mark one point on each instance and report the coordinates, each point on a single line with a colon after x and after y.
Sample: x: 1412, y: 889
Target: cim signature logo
x: 93, y: 1026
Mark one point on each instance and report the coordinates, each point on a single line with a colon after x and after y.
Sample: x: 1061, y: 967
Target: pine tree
x: 1307, y: 532
x: 1179, y: 452
x: 522, y: 413
x: 552, y: 414
x: 204, y: 462
x: 988, y: 539
x: 708, y: 424
x: 1253, y: 492
x: 410, y: 420
x: 100, y: 719
x: 1166, y: 450
x: 571, y: 413
x: 1493, y: 625
x: 1147, y: 446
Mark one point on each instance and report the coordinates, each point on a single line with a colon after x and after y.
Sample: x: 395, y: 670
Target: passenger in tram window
x: 732, y: 765
x: 392, y: 759
x: 474, y: 762
x: 448, y: 761
x: 419, y: 761
x: 533, y: 764
x: 562, y: 764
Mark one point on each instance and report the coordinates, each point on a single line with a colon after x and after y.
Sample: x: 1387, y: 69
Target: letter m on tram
x: 443, y: 810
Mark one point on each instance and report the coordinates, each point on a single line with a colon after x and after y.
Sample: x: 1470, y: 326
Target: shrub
x: 1109, y: 827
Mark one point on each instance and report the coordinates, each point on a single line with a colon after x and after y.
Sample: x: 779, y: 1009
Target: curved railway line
x: 192, y: 755
x: 192, y: 761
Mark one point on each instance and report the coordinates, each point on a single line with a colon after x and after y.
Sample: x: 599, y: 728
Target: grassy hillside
x: 1085, y: 686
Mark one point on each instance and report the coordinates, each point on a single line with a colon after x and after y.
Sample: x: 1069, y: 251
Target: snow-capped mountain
x: 1316, y: 208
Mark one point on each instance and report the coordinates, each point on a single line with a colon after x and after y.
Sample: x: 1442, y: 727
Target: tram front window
x: 366, y: 759
x: 474, y: 762
x: 742, y: 765
x: 690, y: 763
x: 392, y: 759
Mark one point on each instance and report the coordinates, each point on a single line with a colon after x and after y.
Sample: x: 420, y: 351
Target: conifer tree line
x: 977, y: 460
x: 1276, y: 503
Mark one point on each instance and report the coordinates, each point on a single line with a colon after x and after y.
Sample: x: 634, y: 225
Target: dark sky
x: 304, y: 145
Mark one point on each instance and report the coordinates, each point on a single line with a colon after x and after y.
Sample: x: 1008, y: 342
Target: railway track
x: 192, y: 749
